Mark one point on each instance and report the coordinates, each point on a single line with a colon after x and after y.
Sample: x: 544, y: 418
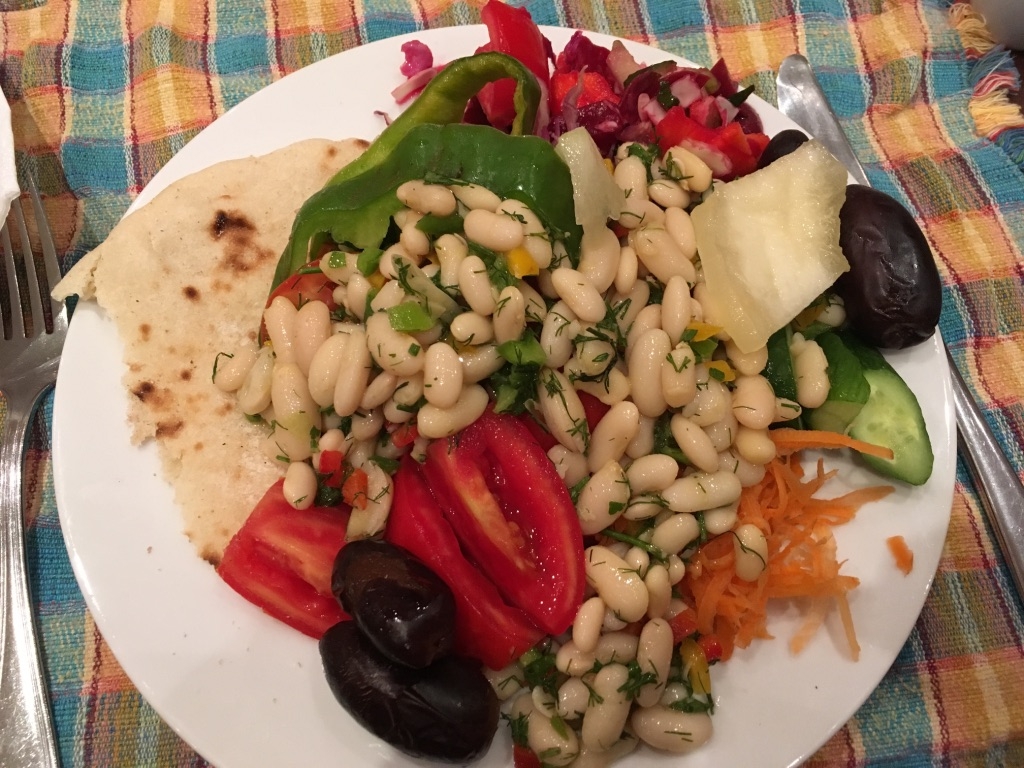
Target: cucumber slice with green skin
x: 891, y: 418
x: 779, y: 371
x: 848, y: 388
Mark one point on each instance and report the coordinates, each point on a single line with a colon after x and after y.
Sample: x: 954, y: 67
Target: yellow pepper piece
x: 377, y: 280
x: 702, y: 331
x: 723, y: 367
x: 609, y: 165
x: 695, y: 665
x: 520, y: 263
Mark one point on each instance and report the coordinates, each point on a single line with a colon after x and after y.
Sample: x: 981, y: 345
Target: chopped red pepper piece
x: 595, y: 88
x: 354, y: 489
x: 727, y: 150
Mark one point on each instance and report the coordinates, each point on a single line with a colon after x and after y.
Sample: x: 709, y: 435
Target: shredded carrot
x: 789, y: 440
x: 903, y: 554
x: 802, y: 557
x: 354, y: 489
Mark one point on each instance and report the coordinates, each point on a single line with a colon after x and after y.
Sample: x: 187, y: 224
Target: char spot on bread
x: 144, y: 331
x: 191, y: 292
x: 168, y: 428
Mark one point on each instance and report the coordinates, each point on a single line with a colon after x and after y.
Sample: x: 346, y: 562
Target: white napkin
x: 8, y: 173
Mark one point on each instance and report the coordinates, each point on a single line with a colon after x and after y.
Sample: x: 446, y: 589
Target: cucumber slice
x: 848, y: 388
x: 779, y: 371
x: 892, y: 418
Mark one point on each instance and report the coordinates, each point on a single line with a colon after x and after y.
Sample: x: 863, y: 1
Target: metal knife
x: 1002, y: 495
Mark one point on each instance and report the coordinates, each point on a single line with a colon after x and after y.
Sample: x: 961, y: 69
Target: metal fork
x: 29, y: 353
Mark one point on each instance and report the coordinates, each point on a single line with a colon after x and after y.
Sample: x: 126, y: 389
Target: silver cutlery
x: 1002, y: 495
x: 30, y: 349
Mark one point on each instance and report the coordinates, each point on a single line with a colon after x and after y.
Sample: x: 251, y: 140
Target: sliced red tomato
x: 683, y: 624
x: 595, y: 88
x: 486, y: 628
x: 281, y: 561
x: 524, y: 757
x: 512, y: 31
x: 727, y: 150
x: 593, y: 408
x: 540, y: 433
x: 513, y: 515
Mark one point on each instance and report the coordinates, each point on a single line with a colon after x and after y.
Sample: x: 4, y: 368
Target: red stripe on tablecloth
x: 206, y: 60
x: 135, y: 168
x: 92, y: 697
x: 275, y: 20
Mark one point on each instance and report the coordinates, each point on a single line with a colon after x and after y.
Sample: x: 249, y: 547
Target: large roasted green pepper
x: 356, y: 204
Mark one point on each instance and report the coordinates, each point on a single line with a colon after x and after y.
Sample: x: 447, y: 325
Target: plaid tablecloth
x: 104, y: 92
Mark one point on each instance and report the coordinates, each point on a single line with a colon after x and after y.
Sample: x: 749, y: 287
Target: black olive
x: 401, y: 605
x: 892, y: 293
x: 447, y: 711
x: 781, y: 144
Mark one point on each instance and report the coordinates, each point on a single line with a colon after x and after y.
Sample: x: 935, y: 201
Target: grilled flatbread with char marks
x: 186, y: 278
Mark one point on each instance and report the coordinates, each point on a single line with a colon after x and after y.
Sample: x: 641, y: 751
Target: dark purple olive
x: 401, y: 605
x: 892, y: 293
x: 447, y: 711
x: 781, y: 144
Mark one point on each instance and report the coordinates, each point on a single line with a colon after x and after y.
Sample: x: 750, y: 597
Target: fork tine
x: 31, y: 278
x: 50, y: 262
x: 11, y: 302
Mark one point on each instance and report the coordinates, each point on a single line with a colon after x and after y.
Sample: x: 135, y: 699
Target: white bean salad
x: 427, y: 333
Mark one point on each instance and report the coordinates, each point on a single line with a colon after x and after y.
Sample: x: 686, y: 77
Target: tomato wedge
x: 281, y: 561
x: 513, y: 515
x: 727, y: 150
x: 485, y: 627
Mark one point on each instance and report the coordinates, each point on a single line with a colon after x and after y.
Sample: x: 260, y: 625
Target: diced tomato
x: 727, y: 150
x: 683, y: 624
x: 524, y: 757
x: 593, y: 408
x: 404, y: 435
x: 354, y: 489
x: 513, y: 515
x: 486, y: 628
x: 512, y: 31
x: 595, y: 88
x: 331, y: 464
x: 300, y: 288
x: 711, y: 646
x: 544, y: 438
x: 281, y: 561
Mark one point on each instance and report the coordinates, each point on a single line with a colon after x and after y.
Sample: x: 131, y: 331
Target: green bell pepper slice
x: 356, y: 191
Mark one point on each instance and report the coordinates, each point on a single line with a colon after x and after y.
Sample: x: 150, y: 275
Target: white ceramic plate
x: 246, y: 691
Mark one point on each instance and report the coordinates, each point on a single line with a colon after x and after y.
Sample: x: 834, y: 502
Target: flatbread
x: 185, y: 278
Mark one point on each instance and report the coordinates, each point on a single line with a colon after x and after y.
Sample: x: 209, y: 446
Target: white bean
x: 451, y: 250
x: 536, y: 309
x: 612, y: 434
x: 695, y: 172
x: 694, y: 443
x: 751, y: 550
x: 643, y: 443
x: 558, y: 745
x: 659, y: 253
x: 622, y: 590
x: 599, y: 257
x: 391, y: 295
x: 654, y: 654
x: 379, y: 390
x: 659, y: 591
x: 475, y: 286
x: 675, y: 308
x: 573, y: 698
x: 649, y: 317
x: 366, y: 425
x: 557, y: 334
x: 810, y: 366
x: 562, y: 410
x: 254, y: 394
x: 325, y: 367
x: 570, y: 465
x: 586, y: 627
x: 680, y: 227
x: 474, y: 196
x: 279, y: 319
x: 652, y: 473
x: 495, y: 231
x: 626, y: 272
x: 673, y: 534
x: 299, y: 487
x: 616, y: 646
x: 509, y: 315
x: 645, y: 361
x: 370, y: 520
x: 480, y: 362
x: 579, y: 293
x: 394, y: 351
x: 667, y: 193
x: 701, y: 491
x: 671, y: 730
x: 754, y: 445
x: 679, y: 376
x: 603, y: 499
x: 537, y: 241
x: 753, y: 401
x: 356, y: 363
x: 574, y: 661
x: 626, y: 306
x: 747, y: 363
x: 712, y: 401
x: 435, y: 422
x: 613, y: 388
x: 356, y: 294
x: 749, y: 474
x: 721, y: 519
x: 722, y: 432
x: 638, y: 559
x: 604, y: 720
x: 442, y: 375
x: 230, y: 371
x: 427, y: 198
